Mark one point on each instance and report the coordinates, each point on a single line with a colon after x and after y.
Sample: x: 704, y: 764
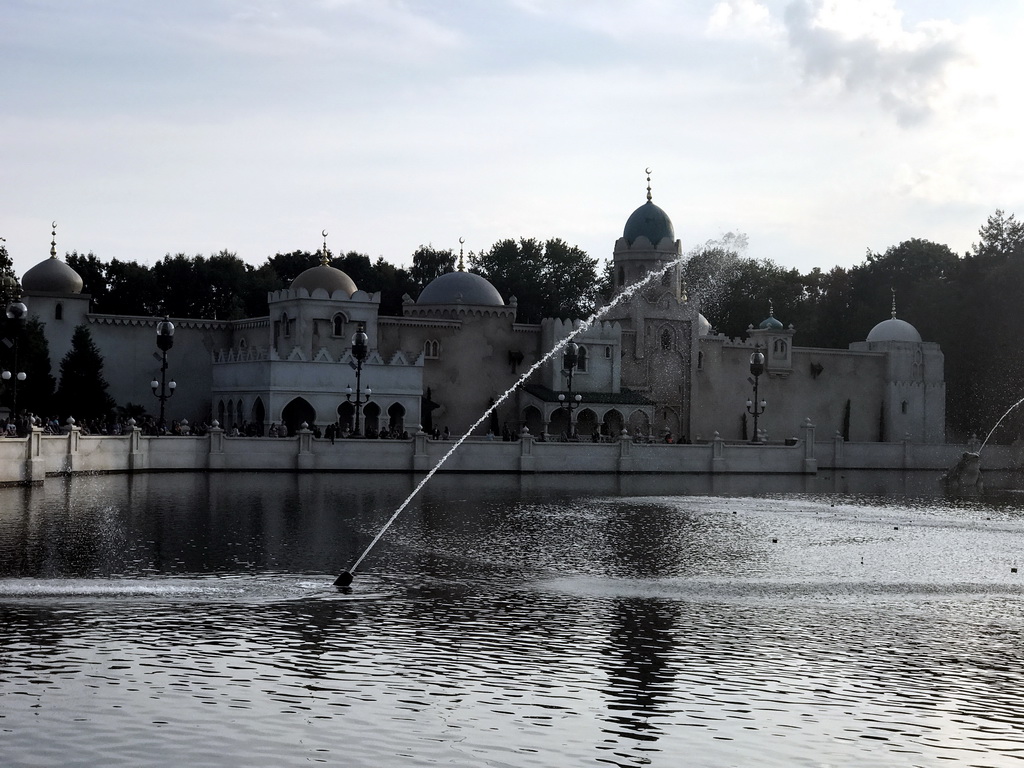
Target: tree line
x: 967, y: 303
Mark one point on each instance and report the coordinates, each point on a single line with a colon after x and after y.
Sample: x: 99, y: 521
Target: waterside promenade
x: 31, y: 459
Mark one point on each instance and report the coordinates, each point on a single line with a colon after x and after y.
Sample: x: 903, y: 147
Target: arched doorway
x: 586, y: 423
x: 558, y: 427
x: 396, y: 418
x: 371, y: 420
x: 259, y: 416
x: 532, y: 420
x: 346, y: 417
x: 612, y: 426
x: 295, y: 413
x: 639, y: 424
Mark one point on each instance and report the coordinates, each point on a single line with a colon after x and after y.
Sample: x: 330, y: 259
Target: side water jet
x: 967, y: 472
x: 985, y: 441
x: 346, y: 577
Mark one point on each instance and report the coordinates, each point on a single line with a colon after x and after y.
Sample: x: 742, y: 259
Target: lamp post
x: 570, y: 359
x: 163, y: 389
x: 360, y: 348
x: 17, y: 314
x: 755, y: 406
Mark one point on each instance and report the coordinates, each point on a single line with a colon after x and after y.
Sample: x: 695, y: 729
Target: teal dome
x: 651, y: 222
x: 770, y: 323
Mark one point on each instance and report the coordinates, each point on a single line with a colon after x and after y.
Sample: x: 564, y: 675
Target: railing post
x: 215, y: 456
x: 305, y: 458
x: 136, y: 458
x: 717, y: 453
x: 35, y: 465
x: 626, y: 463
x: 74, y: 433
x: 810, y: 462
x: 526, y: 457
x: 420, y: 459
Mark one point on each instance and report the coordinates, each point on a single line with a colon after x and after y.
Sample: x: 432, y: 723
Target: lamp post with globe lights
x: 17, y: 315
x: 163, y: 389
x: 360, y: 349
x: 756, y: 406
x: 569, y: 403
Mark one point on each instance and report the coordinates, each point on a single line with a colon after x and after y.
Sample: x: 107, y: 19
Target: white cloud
x: 741, y: 19
x: 865, y: 47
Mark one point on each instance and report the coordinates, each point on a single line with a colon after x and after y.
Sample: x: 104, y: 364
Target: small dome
x: 325, y: 277
x: 703, y: 325
x: 52, y: 276
x: 461, y: 288
x: 771, y: 323
x: 651, y: 222
x: 894, y: 329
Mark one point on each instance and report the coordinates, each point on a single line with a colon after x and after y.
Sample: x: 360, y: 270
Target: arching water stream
x: 347, y: 576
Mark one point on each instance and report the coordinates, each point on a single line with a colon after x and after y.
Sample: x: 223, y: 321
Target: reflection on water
x: 190, y: 620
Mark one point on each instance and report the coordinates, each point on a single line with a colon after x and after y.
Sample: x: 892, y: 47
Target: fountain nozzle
x: 344, y: 579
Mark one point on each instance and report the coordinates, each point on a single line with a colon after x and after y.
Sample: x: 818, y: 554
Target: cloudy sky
x: 819, y: 128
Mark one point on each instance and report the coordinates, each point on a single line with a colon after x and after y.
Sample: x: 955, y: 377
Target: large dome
x: 461, y: 288
x: 651, y: 222
x: 326, y: 277
x: 52, y: 276
x: 894, y: 329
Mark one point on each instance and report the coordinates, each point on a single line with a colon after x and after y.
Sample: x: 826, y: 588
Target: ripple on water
x: 609, y: 631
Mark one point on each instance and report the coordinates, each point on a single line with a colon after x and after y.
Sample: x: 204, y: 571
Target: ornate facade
x: 650, y: 364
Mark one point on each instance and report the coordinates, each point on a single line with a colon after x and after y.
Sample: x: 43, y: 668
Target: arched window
x: 607, y: 353
x: 622, y: 276
x: 242, y: 343
x: 903, y: 406
x: 780, y: 348
x: 666, y: 277
x: 581, y: 359
x: 666, y: 339
x: 338, y: 324
x: 700, y: 360
x: 285, y: 330
x: 432, y: 349
x: 58, y: 311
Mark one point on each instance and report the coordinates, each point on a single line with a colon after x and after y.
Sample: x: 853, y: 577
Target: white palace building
x: 651, y: 365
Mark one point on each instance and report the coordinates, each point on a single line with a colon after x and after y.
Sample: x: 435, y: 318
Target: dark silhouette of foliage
x: 82, y: 392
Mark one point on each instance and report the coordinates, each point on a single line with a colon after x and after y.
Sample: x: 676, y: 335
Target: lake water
x: 190, y: 620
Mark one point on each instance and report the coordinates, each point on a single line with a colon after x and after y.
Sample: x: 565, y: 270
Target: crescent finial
x: 324, y: 233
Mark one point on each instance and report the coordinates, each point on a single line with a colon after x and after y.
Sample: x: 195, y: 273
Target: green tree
x: 1001, y: 236
x: 429, y: 263
x: 6, y: 264
x: 34, y: 351
x: 569, y: 277
x: 93, y: 272
x: 82, y: 392
x: 550, y: 279
x: 393, y: 283
x: 229, y: 278
x: 131, y: 290
x: 288, y: 266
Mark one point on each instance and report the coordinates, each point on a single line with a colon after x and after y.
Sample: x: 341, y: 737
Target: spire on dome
x: 462, y: 267
x: 893, y: 303
x: 53, y: 241
x: 648, y: 172
x: 323, y: 256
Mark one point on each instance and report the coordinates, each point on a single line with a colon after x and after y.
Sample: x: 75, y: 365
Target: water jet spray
x: 346, y: 577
